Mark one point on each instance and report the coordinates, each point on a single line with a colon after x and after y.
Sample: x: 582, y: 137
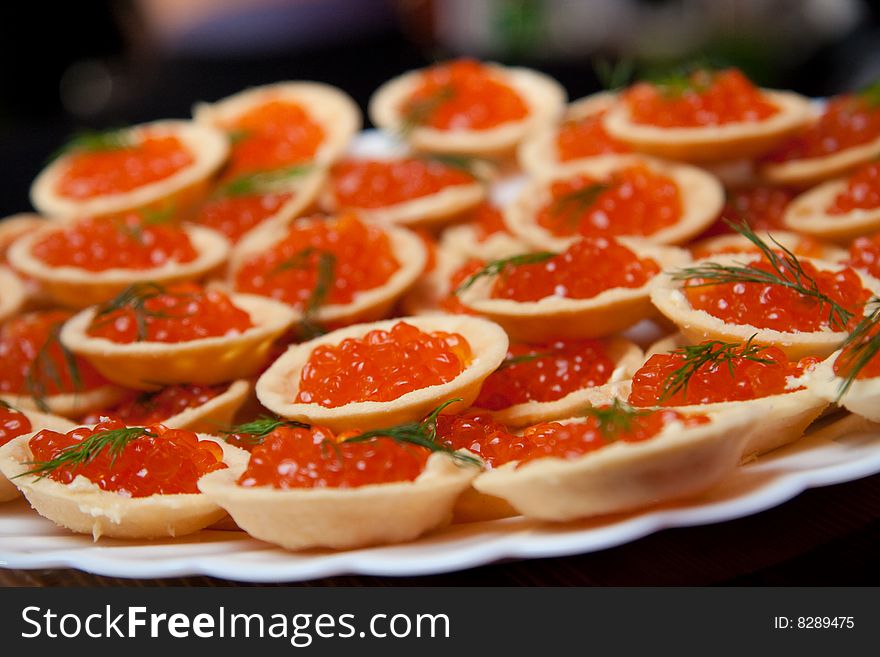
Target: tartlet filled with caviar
x: 800, y: 245
x: 467, y: 107
x: 594, y: 288
x: 87, y: 261
x: 704, y: 115
x: 802, y: 305
x: 615, y: 459
x: 409, y: 191
x: 373, y: 375
x: 12, y: 294
x: 118, y: 481
x: 160, y: 164
x: 841, y: 209
x: 308, y: 487
x: 333, y: 270
x: 152, y: 335
x: 615, y: 196
x: 845, y: 135
x: 15, y: 422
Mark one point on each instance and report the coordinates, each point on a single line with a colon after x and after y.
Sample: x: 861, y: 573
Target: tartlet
x: 794, y: 242
x: 148, y: 365
x: 702, y: 198
x: 277, y: 388
x: 206, y: 146
x: 12, y: 294
x: 862, y: 397
x: 16, y: 225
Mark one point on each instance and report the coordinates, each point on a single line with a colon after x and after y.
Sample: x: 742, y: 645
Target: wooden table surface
x: 826, y: 536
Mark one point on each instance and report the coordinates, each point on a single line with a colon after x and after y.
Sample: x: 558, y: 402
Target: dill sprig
x: 43, y: 368
x: 496, y: 267
x: 524, y: 358
x: 86, y: 451
x: 615, y: 419
x: 421, y: 434
x: 95, y: 141
x: 614, y: 76
x: 573, y: 204
x: 135, y: 298
x: 870, y: 94
x: 261, y: 182
x: 419, y: 112
x: 238, y: 135
x: 859, y: 348
x: 713, y: 353
x: 325, y: 276
x: 255, y: 431
x: 464, y: 163
x: 690, y: 77
x: 787, y: 271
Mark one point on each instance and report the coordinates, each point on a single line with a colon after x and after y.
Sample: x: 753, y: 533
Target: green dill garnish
x: 421, y: 434
x: 571, y: 205
x: 859, y: 348
x: 325, y: 276
x: 464, y: 163
x: 695, y: 76
x: 870, y: 94
x: 135, y: 298
x: 419, y: 112
x: 787, y: 271
x: 713, y: 353
x: 524, y: 358
x: 262, y: 182
x: 237, y: 136
x: 84, y: 452
x: 615, y: 419
x: 496, y: 267
x: 43, y: 368
x: 255, y: 431
x: 614, y: 76
x: 95, y: 141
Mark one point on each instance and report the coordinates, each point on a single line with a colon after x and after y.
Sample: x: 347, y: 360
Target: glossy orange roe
x: 185, y: 311
x: 710, y: 98
x: 463, y: 95
x: 88, y: 174
x: 451, y: 303
x: 848, y: 358
x: 636, y: 201
x: 121, y: 243
x: 235, y: 215
x: 13, y: 424
x: 155, y: 407
x: 862, y: 191
x: 487, y: 221
x: 737, y: 379
x: 555, y: 370
x: 846, y: 122
x: 761, y: 206
x: 33, y: 361
x: 586, y: 137
x: 317, y: 458
x: 363, y: 255
x: 778, y: 307
x: 587, y: 268
x: 380, y: 183
x: 381, y: 366
x: 864, y: 253
x: 271, y: 136
x: 482, y: 435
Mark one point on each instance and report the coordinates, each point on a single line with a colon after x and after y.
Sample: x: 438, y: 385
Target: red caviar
x: 164, y: 462
x: 864, y: 253
x: 759, y: 374
x: 852, y: 353
x: 155, y: 407
x: 235, y: 215
x: 34, y: 361
x: 703, y: 98
x: 380, y: 183
x: 180, y: 313
x: 127, y: 242
x: 363, y: 259
x: 317, y: 458
x: 13, y: 424
x: 118, y: 170
x: 634, y: 201
x: 545, y: 372
x: 762, y: 207
x: 780, y: 308
x: 480, y: 434
x: 587, y: 268
x: 586, y: 137
x: 487, y: 220
x: 463, y: 95
x: 451, y: 303
x: 381, y: 366
x: 862, y: 191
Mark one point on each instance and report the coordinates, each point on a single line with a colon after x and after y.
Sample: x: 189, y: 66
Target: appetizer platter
x: 263, y: 345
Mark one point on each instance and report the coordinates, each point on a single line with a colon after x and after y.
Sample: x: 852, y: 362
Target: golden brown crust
x: 808, y: 213
x: 207, y: 361
x: 207, y: 146
x: 84, y: 508
x: 277, y: 388
x: 728, y: 141
x: 702, y: 198
x: 77, y: 288
x: 343, y: 518
x: 544, y: 96
x: 12, y: 294
x: 810, y: 171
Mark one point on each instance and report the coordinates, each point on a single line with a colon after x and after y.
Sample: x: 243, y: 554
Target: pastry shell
x: 806, y: 172
x: 702, y: 199
x: 808, y: 213
x: 39, y: 421
x: 84, y: 508
x: 676, y: 463
x: 333, y: 109
x: 16, y: 225
x: 729, y: 141
x: 343, y: 518
x: 207, y: 146
x: 736, y: 243
x: 69, y: 404
x: 149, y: 365
x: 366, y: 305
x: 608, y: 312
x: 698, y: 325
x: 544, y: 97
x: 463, y: 239
x: 278, y: 386
x: 74, y: 287
x: 862, y: 398
x: 12, y: 294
